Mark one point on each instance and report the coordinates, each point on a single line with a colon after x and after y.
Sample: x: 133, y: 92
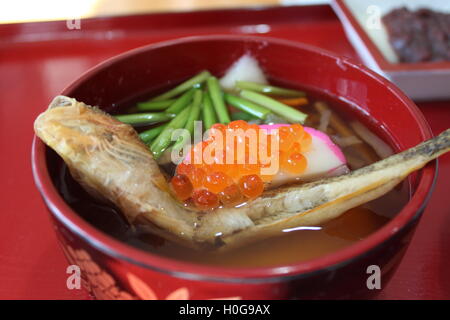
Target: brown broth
x: 299, y: 245
x: 293, y: 246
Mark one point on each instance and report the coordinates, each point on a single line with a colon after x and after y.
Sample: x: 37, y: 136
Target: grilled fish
x: 110, y: 161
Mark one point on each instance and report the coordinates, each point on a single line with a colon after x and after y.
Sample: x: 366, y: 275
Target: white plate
x: 362, y: 23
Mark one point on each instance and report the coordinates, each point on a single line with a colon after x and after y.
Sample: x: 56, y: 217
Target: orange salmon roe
x: 184, y: 168
x: 305, y: 142
x: 251, y: 186
x: 216, y: 181
x: 182, y: 186
x: 294, y: 163
x: 231, y: 195
x: 197, y: 177
x: 205, y: 199
x: 238, y: 124
x: 230, y: 173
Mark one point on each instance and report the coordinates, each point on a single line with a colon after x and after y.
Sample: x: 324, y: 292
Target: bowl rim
x: 192, y: 271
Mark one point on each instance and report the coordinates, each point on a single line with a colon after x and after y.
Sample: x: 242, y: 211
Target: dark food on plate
x: 419, y: 36
x: 330, y: 170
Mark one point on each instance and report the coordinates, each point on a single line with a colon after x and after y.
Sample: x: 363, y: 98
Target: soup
x: 291, y: 245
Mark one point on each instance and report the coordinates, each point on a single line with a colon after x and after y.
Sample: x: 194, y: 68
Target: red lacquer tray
x: 37, y: 60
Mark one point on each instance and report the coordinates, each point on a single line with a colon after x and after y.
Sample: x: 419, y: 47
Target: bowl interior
x: 140, y: 72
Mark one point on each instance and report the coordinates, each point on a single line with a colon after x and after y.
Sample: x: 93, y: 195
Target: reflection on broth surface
x: 293, y: 245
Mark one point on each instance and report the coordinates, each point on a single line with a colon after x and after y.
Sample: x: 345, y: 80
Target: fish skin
x: 109, y: 160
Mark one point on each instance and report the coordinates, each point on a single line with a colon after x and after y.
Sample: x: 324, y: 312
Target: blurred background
x: 17, y: 11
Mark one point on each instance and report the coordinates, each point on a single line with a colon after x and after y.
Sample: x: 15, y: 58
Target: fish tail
x: 430, y: 149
